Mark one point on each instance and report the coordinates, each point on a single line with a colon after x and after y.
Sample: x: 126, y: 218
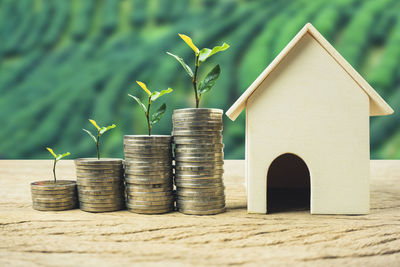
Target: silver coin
x: 54, y: 200
x: 202, y: 173
x: 155, y: 167
x: 150, y: 181
x: 134, y: 194
x: 53, y: 186
x: 198, y: 129
x: 199, y: 169
x: 179, y: 121
x: 200, y: 205
x: 85, y: 207
x: 137, y: 173
x: 129, y: 157
x: 197, y: 185
x: 198, y: 159
x: 202, y: 212
x: 210, y: 165
x: 115, y: 201
x: 145, y: 190
x: 183, y: 194
x: 148, y: 207
x: 54, y: 204
x: 104, y: 188
x: 184, y: 147
x: 154, y: 211
x: 195, y: 176
x: 199, y: 191
x: 97, y: 185
x: 162, y: 154
x: 153, y: 198
x: 155, y: 163
x: 198, y: 111
x: 158, y: 175
x: 198, y: 181
x: 102, y: 205
x: 213, y: 137
x: 193, y: 141
x: 165, y: 175
x: 105, y: 192
x: 52, y: 194
x: 110, y: 198
x: 139, y: 202
x: 58, y: 208
x: 132, y: 146
x: 219, y: 197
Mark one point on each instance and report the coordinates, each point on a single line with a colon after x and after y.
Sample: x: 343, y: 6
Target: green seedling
x: 57, y: 157
x: 152, y: 96
x: 100, y: 132
x: 200, y: 56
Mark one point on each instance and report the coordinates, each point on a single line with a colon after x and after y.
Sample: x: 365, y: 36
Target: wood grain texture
x: 76, y: 238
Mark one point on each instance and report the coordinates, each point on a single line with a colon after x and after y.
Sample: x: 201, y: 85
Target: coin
x: 56, y: 208
x: 154, y: 211
x: 153, y: 198
x: 140, y: 189
x: 52, y: 186
x: 206, y: 147
x: 91, y: 208
x: 149, y: 207
x: 134, y: 194
x: 114, y: 201
x: 98, y: 192
x: 202, y: 212
x: 193, y: 141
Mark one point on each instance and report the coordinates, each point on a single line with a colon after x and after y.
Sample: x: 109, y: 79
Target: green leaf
x: 52, y: 152
x: 139, y: 102
x: 105, y: 129
x: 60, y: 156
x: 184, y: 65
x: 144, y: 87
x: 91, y: 135
x: 209, y: 81
x: 158, y: 114
x: 155, y: 95
x: 206, y: 52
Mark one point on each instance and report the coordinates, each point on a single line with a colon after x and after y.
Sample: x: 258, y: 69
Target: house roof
x: 378, y: 106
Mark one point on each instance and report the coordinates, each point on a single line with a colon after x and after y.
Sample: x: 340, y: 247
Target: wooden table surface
x: 77, y: 238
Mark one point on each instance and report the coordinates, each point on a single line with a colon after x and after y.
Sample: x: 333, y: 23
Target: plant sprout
x: 200, y: 56
x: 56, y: 159
x: 152, y: 96
x: 100, y: 132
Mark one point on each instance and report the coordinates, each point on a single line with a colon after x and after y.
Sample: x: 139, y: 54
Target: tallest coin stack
x: 199, y: 161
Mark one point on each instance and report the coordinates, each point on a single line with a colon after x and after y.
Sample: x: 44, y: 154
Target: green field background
x: 64, y: 61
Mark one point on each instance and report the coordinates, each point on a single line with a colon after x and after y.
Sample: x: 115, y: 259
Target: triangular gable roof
x: 378, y: 106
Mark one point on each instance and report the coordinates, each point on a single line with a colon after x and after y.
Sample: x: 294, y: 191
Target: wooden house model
x: 307, y: 128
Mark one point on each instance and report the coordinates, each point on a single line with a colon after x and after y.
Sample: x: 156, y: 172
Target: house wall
x: 311, y: 107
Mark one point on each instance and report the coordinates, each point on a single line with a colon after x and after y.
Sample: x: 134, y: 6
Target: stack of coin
x: 199, y: 160
x: 52, y: 196
x: 100, y: 184
x: 148, y: 173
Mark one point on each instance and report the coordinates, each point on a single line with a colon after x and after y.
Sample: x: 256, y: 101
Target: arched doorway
x: 288, y: 184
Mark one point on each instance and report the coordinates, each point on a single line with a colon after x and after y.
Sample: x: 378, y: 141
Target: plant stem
x: 97, y: 145
x: 194, y: 81
x: 148, y: 116
x: 54, y: 171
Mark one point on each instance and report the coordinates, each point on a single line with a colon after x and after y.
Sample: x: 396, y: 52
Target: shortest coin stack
x: 53, y: 196
x: 148, y: 174
x: 199, y: 160
x: 100, y: 184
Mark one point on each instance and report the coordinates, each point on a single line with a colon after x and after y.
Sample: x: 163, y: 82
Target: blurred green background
x: 64, y: 61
